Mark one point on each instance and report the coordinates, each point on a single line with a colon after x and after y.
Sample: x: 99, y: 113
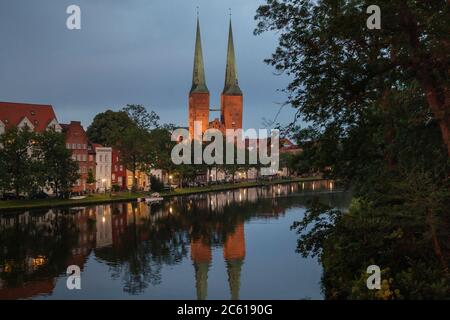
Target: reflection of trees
x: 149, y: 238
x: 31, y: 251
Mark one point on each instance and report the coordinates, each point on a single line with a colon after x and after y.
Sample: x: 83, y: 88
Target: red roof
x: 11, y: 114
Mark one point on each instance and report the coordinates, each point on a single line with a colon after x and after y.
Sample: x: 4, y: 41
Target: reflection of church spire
x: 234, y: 254
x: 201, y: 257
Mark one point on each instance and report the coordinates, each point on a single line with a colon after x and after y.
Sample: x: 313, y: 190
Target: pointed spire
x: 234, y: 268
x: 201, y: 258
x: 198, y: 76
x: 201, y: 280
x: 231, y: 78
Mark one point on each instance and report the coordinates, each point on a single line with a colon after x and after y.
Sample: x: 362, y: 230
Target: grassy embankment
x: 10, y: 205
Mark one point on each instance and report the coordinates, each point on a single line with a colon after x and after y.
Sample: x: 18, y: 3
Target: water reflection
x: 138, y: 242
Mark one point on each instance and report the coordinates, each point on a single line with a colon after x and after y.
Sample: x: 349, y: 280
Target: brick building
x: 118, y: 171
x: 82, y: 152
x: 231, y: 102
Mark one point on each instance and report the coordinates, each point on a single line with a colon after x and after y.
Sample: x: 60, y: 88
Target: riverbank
x: 15, y: 205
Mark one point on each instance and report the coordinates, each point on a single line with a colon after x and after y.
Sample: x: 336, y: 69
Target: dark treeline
x: 34, y: 163
x: 377, y: 108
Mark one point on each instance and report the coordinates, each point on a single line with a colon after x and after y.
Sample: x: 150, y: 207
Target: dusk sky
x: 137, y: 52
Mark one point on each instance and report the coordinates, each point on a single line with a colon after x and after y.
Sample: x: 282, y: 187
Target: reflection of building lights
x: 39, y: 261
x: 331, y: 185
x: 303, y: 185
x: 7, y: 268
x: 240, y: 197
x: 170, y: 210
x: 314, y: 186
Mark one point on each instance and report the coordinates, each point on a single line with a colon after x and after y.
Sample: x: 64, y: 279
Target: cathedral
x: 231, y: 102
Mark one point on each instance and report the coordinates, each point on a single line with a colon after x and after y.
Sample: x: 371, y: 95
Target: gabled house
x: 37, y: 117
x: 82, y: 152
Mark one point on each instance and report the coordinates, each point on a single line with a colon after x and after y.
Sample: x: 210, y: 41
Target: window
x: 121, y: 168
x: 79, y: 146
x: 101, y: 158
x: 68, y: 145
x: 91, y: 157
x: 74, y: 145
x: 74, y: 157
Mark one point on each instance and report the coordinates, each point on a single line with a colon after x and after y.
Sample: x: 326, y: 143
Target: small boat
x: 154, y: 198
x: 78, y: 198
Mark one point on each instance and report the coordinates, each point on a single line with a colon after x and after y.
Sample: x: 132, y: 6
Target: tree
x: 160, y: 147
x: 141, y: 117
x: 56, y: 163
x: 377, y: 107
x: 108, y: 126
x: 341, y: 70
x: 90, y: 178
x: 133, y: 146
x: 156, y: 184
x: 18, y: 162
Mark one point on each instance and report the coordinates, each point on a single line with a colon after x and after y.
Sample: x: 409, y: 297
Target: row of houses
x: 101, y: 164
x: 100, y: 167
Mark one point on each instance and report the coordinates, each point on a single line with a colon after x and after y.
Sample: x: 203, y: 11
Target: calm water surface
x: 225, y: 245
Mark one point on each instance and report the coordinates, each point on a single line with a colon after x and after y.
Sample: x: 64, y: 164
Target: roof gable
x: 12, y: 114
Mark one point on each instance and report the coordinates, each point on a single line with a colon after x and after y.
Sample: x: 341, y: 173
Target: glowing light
x: 103, y: 219
x: 39, y: 261
x: 170, y: 210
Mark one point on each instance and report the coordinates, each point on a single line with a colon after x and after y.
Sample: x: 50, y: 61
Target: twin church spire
x: 231, y: 79
x: 198, y: 76
x: 231, y: 100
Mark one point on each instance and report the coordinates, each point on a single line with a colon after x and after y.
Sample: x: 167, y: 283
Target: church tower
x: 201, y: 258
x: 234, y: 254
x: 199, y: 94
x: 232, y: 98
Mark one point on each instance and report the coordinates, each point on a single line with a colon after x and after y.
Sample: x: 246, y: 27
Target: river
x: 223, y: 245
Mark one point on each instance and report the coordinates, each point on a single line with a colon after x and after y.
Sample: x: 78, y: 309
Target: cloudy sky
x: 134, y: 51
